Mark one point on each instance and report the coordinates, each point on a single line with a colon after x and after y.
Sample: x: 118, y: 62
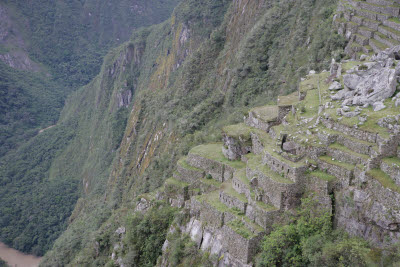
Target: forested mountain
x: 47, y: 50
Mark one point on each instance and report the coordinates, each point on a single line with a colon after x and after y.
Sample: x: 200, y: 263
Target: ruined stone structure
x: 371, y: 26
x: 236, y: 190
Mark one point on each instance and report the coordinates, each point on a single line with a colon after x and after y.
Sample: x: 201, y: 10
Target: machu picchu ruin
x: 344, y: 150
x: 371, y: 26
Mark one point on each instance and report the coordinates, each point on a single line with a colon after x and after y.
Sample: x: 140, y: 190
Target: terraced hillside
x: 236, y: 190
x: 371, y: 26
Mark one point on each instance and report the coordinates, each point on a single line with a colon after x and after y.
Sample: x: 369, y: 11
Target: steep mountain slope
x: 47, y: 50
x: 188, y: 76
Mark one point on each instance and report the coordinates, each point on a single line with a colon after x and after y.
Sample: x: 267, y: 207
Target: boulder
x: 374, y: 85
x: 335, y: 86
x: 397, y: 103
x: 378, y: 106
x: 351, y: 81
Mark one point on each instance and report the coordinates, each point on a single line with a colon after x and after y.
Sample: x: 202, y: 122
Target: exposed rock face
x: 374, y: 84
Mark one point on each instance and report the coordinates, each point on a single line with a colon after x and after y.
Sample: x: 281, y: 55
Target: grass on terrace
x: 176, y: 182
x: 240, y: 228
x: 373, y: 116
x: 214, y: 152
x: 266, y: 113
x: 184, y: 164
x: 384, y: 179
x: 392, y: 160
x: 344, y: 165
x: 288, y: 100
x: 348, y: 151
x: 238, y: 130
x: 213, y: 200
x: 228, y: 189
x: 255, y: 163
x: 323, y: 176
x: 241, y: 175
x: 211, y: 182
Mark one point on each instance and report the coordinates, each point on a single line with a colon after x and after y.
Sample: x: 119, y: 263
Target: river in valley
x: 16, y: 258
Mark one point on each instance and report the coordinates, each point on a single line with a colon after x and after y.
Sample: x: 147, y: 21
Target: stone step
x: 393, y: 23
x: 372, y: 15
x: 231, y: 198
x: 241, y: 184
x: 367, y: 49
x: 366, y: 32
x: 264, y: 145
x: 273, y: 189
x: 211, y: 159
x: 359, y: 135
x: 392, y: 10
x: 338, y: 151
x: 342, y: 171
x: 262, y: 214
x: 177, y: 192
x: 391, y: 166
x: 186, y: 172
x: 361, y: 40
x: 381, y: 2
x: 329, y: 136
x: 385, y: 40
x: 263, y: 118
x: 377, y: 46
x: 364, y: 21
x: 389, y: 32
x: 385, y: 180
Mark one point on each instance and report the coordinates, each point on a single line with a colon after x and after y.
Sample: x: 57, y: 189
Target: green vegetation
x: 384, y: 179
x: 228, y: 189
x: 255, y: 163
x: 3, y: 263
x: 26, y: 105
x: 145, y: 235
x: 240, y: 130
x: 214, y: 152
x: 266, y: 113
x: 323, y: 176
x: 310, y: 241
x: 41, y: 173
x: 240, y: 228
x: 183, y: 163
x: 344, y: 165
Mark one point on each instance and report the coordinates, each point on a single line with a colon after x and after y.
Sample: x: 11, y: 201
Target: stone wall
x: 346, y: 157
x: 255, y: 122
x: 280, y: 167
x: 283, y: 111
x: 217, y: 170
x: 392, y: 170
x: 232, y: 202
x: 345, y: 176
x: 189, y: 175
x: 351, y: 131
x: 265, y: 219
x: 282, y: 196
x: 233, y: 148
x: 240, y: 187
x: 244, y: 249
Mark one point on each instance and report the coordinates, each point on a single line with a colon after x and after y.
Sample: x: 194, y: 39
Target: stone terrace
x: 236, y: 190
x: 371, y: 26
